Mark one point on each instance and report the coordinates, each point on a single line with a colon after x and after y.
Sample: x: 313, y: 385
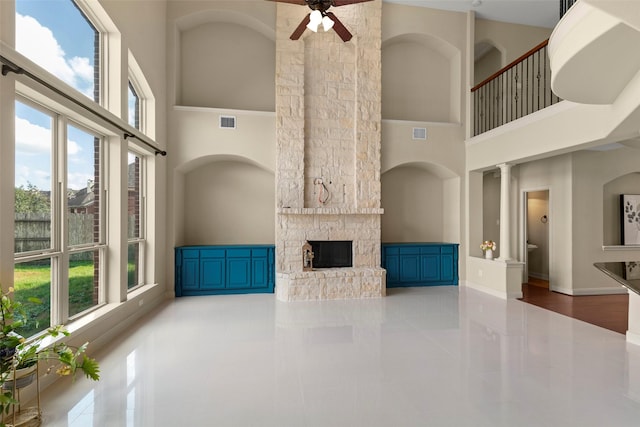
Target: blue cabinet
x: 420, y: 264
x: 216, y: 270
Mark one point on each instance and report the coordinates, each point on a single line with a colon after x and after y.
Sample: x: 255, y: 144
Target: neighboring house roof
x: 80, y: 198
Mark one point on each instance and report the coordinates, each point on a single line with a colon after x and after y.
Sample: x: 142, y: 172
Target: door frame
x: 524, y: 253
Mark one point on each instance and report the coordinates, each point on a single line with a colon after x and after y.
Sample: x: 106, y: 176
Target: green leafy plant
x: 16, y: 352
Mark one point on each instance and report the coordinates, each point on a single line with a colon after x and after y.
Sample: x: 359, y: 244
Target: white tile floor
x: 440, y: 356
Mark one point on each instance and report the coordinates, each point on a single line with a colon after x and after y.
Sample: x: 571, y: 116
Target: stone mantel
x: 330, y: 211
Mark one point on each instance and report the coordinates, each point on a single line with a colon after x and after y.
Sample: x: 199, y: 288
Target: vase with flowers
x: 488, y: 246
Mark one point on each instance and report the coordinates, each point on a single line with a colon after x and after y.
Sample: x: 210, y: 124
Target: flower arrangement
x: 488, y: 244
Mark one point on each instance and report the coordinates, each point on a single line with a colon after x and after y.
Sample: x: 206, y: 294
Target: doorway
x: 537, y: 238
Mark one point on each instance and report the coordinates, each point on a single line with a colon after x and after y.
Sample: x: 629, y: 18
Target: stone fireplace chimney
x: 328, y: 109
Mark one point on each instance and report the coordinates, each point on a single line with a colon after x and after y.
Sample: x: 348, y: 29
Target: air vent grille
x: 420, y: 133
x: 227, y: 122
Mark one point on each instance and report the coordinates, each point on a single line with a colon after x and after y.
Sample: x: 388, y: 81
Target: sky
x: 55, y: 35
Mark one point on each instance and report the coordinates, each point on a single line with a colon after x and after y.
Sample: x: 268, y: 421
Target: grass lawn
x: 34, y: 281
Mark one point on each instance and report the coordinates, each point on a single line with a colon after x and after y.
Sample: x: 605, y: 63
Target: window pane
x: 134, y: 196
x: 133, y: 265
x: 134, y: 107
x: 33, y: 179
x: 84, y: 279
x: 56, y: 35
x: 83, y: 187
x: 33, y: 280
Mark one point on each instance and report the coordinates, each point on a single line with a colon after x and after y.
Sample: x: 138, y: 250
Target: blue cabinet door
x: 430, y: 268
x: 410, y: 268
x: 212, y: 273
x: 259, y: 273
x: 239, y: 273
x: 448, y: 267
x: 392, y: 265
x: 190, y: 275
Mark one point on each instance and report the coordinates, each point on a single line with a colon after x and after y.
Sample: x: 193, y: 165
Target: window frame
x: 141, y: 239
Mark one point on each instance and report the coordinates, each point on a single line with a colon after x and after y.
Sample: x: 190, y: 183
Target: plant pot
x: 23, y: 377
x: 488, y: 254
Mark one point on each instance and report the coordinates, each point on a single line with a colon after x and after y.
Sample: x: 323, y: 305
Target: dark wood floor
x: 607, y: 311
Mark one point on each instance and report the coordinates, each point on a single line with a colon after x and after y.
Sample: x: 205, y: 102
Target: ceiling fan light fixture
x: 327, y: 23
x: 315, y: 19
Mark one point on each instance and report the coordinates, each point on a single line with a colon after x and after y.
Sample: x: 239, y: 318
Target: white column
x: 505, y: 203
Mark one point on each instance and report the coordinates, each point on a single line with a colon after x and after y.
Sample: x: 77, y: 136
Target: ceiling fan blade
x: 337, y: 3
x: 339, y: 28
x: 303, y: 26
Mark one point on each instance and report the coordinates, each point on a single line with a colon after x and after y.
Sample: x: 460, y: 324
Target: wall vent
x: 227, y: 122
x: 420, y: 133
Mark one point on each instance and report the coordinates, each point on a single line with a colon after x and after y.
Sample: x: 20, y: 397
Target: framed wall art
x: 630, y: 219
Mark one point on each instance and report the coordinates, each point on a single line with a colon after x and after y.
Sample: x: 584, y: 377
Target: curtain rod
x: 10, y: 67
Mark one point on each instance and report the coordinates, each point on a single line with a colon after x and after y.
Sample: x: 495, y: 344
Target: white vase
x: 488, y: 254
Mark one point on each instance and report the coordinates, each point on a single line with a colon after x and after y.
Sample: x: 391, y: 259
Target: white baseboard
x: 591, y: 291
x: 540, y: 276
x: 492, y: 292
x: 633, y: 338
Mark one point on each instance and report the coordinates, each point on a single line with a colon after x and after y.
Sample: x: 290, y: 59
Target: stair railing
x: 521, y: 88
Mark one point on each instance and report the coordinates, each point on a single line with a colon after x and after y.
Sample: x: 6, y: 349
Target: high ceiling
x: 540, y: 13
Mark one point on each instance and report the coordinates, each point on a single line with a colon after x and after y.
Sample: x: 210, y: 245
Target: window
x: 49, y: 262
x: 83, y: 218
x: 134, y: 107
x: 135, y: 223
x: 57, y: 35
x: 66, y: 240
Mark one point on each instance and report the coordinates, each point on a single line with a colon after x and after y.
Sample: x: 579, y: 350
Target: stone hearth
x: 328, y: 108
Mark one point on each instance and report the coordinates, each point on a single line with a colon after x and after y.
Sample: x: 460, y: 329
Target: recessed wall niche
x: 226, y: 65
x: 611, y: 191
x: 419, y: 79
x: 228, y: 202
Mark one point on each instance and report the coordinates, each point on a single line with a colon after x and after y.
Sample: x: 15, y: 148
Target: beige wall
x: 488, y: 64
x: 491, y: 208
x: 625, y: 184
x: 446, y: 32
x: 591, y: 171
x: 412, y: 199
x: 416, y: 82
x: 512, y: 40
x: 228, y: 202
x: 227, y: 65
x: 556, y: 175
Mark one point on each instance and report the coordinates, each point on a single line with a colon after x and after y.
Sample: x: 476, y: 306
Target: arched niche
x: 420, y: 79
x: 421, y: 203
x: 611, y: 215
x: 226, y: 200
x: 487, y: 60
x: 226, y: 61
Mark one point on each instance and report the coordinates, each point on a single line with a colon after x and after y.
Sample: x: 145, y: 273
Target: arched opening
x: 421, y: 203
x: 227, y: 200
x: 420, y: 79
x: 487, y: 60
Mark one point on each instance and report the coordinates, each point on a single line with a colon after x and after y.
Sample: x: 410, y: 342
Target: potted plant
x: 19, y: 357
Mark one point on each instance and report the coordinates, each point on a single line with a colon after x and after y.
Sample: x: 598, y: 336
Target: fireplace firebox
x: 332, y: 253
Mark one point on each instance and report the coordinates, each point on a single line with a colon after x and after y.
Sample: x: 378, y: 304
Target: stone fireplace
x: 328, y: 114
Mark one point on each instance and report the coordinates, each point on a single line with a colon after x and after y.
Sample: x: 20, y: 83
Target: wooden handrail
x: 511, y: 65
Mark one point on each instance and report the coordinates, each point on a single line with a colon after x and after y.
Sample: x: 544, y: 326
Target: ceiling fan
x: 319, y: 15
